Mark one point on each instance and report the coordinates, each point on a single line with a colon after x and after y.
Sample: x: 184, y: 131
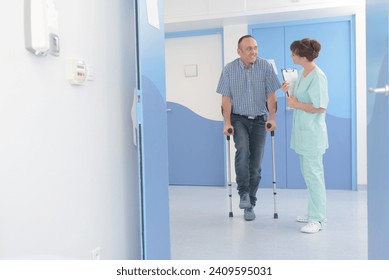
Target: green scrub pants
x: 313, y: 172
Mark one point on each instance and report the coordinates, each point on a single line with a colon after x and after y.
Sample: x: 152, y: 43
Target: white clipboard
x: 290, y: 75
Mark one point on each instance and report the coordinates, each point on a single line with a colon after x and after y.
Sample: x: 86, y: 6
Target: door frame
x: 197, y: 33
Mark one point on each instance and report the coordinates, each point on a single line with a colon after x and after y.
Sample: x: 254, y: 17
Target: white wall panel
x: 226, y: 6
x: 191, y: 92
x: 186, y: 8
x: 68, y: 169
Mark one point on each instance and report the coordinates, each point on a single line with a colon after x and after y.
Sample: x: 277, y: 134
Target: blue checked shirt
x: 248, y: 87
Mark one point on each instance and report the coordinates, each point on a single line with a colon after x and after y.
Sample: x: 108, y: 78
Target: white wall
x: 204, y: 52
x: 68, y: 170
x: 234, y: 16
x: 231, y: 35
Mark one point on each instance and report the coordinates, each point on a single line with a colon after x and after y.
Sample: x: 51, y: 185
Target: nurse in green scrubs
x: 309, y: 131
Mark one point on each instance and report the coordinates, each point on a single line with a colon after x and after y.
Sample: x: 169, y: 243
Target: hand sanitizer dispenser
x: 41, y: 27
x: 53, y: 30
x: 35, y: 27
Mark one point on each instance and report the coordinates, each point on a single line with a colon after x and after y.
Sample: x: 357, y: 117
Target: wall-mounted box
x: 76, y: 71
x: 41, y: 27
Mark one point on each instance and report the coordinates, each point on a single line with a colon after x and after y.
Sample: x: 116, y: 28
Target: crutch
x: 229, y: 183
x: 274, y: 171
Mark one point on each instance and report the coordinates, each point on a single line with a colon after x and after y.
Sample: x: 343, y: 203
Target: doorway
x: 195, y: 124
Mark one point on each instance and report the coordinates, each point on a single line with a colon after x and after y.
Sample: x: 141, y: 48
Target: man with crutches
x: 246, y: 85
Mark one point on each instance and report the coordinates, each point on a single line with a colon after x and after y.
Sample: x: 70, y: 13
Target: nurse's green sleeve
x: 318, y: 91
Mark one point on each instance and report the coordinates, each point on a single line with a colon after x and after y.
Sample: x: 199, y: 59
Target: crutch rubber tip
x: 231, y: 215
x: 275, y: 215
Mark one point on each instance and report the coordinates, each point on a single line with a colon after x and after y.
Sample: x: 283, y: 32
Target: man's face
x: 248, y: 50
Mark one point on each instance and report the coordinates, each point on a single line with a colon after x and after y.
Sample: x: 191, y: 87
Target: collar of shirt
x: 243, y: 66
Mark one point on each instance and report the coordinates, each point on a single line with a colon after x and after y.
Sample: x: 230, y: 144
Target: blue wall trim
x: 195, y: 146
x: 192, y: 33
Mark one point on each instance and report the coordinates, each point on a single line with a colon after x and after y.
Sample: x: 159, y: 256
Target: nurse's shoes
x: 302, y: 219
x: 311, y: 227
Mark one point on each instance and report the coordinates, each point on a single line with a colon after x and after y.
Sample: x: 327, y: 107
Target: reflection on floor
x: 201, y: 228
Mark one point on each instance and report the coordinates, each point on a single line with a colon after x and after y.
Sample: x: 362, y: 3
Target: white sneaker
x: 302, y: 219
x: 311, y: 227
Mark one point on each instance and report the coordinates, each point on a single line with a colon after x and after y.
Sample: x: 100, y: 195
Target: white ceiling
x: 185, y: 25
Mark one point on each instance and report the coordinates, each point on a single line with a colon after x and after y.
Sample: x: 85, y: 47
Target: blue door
x: 336, y: 37
x: 271, y: 42
x: 152, y: 131
x: 377, y: 128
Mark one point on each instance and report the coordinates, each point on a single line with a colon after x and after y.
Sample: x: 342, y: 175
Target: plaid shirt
x: 248, y: 87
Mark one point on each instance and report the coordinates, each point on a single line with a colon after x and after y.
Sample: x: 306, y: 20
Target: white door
x: 377, y: 128
x: 195, y: 124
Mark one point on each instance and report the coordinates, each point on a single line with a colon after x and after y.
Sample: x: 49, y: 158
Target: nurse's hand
x: 292, y: 101
x: 285, y: 86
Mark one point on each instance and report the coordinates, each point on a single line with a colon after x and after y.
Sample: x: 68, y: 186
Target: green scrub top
x: 309, y: 130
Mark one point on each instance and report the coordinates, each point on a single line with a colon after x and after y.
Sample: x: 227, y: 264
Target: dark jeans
x: 249, y: 138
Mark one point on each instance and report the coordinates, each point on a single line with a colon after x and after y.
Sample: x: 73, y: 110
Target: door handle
x: 289, y: 108
x: 168, y: 110
x: 384, y: 90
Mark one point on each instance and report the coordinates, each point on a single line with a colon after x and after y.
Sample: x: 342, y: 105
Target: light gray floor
x: 201, y: 229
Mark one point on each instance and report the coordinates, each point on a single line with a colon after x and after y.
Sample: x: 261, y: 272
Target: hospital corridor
x: 201, y: 228
x: 113, y: 140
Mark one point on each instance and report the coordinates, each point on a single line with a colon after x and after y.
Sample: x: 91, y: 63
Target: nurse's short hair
x: 306, y: 47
